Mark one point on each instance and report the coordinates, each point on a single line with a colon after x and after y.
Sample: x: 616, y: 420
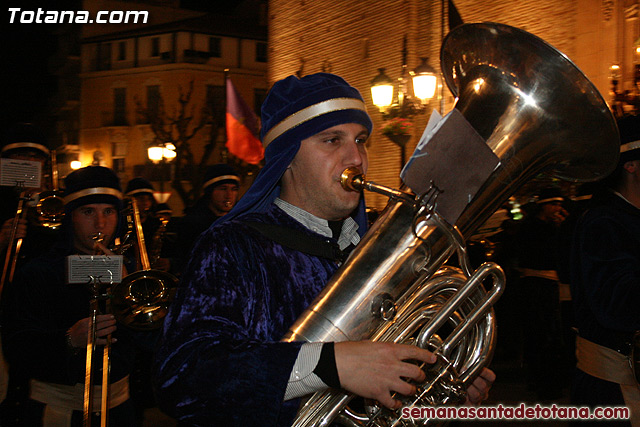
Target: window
x: 120, y: 106
x: 216, y: 104
x: 258, y: 98
x: 122, y: 51
x: 261, y: 52
x: 155, y: 46
x: 104, y: 56
x: 215, y: 48
x: 118, y: 165
x: 153, y: 100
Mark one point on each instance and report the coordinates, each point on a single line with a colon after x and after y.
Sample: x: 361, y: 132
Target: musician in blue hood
x: 259, y: 267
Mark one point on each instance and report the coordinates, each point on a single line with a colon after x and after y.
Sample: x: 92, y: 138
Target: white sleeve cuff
x: 302, y: 380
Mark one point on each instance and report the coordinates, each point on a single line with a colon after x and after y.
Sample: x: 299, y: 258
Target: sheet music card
x: 82, y: 268
x: 23, y: 173
x: 455, y: 157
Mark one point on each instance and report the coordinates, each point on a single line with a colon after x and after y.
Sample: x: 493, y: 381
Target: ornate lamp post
x: 399, y: 109
x: 162, y: 154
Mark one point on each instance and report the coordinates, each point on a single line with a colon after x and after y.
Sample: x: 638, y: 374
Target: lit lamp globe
x: 169, y: 151
x: 424, y: 81
x: 155, y: 153
x: 382, y: 90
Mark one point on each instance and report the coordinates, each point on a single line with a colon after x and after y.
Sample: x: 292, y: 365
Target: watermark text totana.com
x: 40, y: 16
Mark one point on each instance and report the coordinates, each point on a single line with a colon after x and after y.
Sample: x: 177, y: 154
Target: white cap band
x: 311, y: 112
x: 629, y: 146
x: 221, y: 178
x: 92, y: 192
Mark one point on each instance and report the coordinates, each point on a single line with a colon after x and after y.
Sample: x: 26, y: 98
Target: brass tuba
x: 537, y: 112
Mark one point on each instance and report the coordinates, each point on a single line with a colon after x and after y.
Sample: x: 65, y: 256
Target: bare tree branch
x: 180, y: 128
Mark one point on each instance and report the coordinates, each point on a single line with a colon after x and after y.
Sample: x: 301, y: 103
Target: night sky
x: 27, y: 83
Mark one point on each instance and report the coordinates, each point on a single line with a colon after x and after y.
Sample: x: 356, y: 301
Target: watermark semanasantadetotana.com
x: 520, y: 412
x: 40, y: 16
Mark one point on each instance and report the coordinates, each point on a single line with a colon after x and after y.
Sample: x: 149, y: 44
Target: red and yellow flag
x: 242, y: 128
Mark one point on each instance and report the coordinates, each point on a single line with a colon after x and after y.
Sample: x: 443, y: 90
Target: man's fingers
x: 412, y: 371
x: 403, y: 388
x: 406, y: 352
x: 488, y: 375
x: 103, y: 341
x: 473, y: 395
x: 389, y: 402
x: 99, y: 246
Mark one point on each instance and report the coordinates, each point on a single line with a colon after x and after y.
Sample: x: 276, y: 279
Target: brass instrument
x: 15, y: 243
x: 537, y: 112
x: 142, y: 299
x: 49, y: 210
x: 157, y: 241
x: 98, y: 292
x: 50, y: 207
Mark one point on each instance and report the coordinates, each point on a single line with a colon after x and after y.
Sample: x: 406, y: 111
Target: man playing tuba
x: 221, y: 362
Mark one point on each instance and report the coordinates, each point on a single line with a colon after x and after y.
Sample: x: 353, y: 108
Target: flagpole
x: 441, y: 76
x: 224, y: 154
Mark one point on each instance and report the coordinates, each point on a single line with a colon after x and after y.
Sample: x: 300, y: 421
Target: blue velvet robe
x: 220, y: 362
x: 605, y: 286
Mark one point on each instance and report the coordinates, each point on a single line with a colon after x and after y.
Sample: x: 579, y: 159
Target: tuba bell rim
x: 526, y: 59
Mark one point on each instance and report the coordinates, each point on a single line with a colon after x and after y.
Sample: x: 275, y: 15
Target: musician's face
x: 223, y: 197
x: 145, y: 202
x: 312, y: 181
x: 88, y: 220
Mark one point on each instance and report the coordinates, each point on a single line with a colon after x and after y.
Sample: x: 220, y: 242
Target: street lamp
x: 397, y: 110
x: 404, y: 104
x: 382, y: 90
x: 424, y: 81
x: 163, y: 154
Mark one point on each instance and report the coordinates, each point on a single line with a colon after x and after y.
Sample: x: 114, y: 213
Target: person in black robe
x: 46, y: 319
x: 221, y: 184
x: 605, y: 285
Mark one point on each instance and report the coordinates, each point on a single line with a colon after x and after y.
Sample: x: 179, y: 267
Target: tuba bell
x: 538, y: 113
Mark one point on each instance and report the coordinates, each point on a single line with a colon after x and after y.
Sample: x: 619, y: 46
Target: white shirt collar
x: 348, y: 233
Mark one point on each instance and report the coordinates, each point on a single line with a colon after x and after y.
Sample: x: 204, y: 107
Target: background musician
x: 538, y: 260
x: 221, y: 362
x: 142, y: 191
x: 25, y: 141
x: 46, y: 319
x: 220, y: 193
x: 22, y: 141
x: 605, y: 284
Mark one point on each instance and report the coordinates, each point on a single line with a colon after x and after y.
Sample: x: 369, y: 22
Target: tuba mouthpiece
x: 352, y: 179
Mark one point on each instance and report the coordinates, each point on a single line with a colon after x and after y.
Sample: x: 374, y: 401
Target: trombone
x: 50, y: 207
x: 140, y: 301
x: 97, y: 294
x: 50, y: 211
x: 15, y: 243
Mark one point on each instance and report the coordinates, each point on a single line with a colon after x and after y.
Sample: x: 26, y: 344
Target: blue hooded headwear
x: 296, y: 109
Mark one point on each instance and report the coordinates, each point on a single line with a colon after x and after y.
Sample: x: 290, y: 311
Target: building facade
x: 131, y: 74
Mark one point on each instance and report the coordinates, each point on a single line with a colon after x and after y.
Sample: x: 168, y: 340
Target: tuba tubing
x: 538, y: 113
